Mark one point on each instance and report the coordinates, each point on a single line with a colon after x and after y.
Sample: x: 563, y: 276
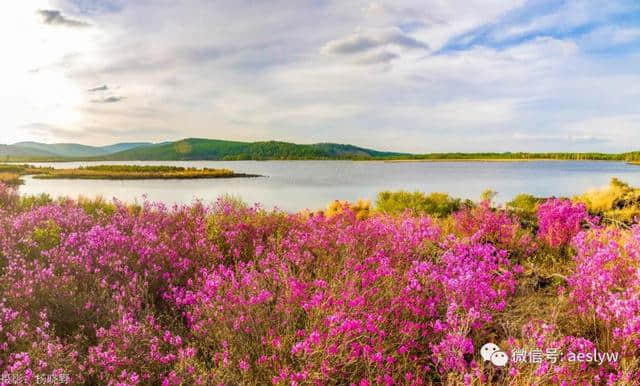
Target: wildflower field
x: 109, y: 293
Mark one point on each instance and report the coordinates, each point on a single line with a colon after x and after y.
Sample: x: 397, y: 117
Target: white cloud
x: 564, y: 17
x: 609, y: 36
x: 366, y: 41
x: 464, y: 113
x: 371, y: 73
x: 564, y: 139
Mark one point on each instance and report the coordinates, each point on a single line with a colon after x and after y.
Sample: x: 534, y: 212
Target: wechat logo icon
x: 491, y: 352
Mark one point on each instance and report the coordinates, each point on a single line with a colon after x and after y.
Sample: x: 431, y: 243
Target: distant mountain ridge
x: 193, y: 149
x: 188, y: 149
x: 63, y: 150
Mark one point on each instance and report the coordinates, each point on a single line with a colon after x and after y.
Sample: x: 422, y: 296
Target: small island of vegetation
x: 11, y: 174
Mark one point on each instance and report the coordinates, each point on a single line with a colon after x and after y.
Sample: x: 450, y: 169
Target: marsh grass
x: 11, y: 179
x: 136, y: 172
x: 10, y: 174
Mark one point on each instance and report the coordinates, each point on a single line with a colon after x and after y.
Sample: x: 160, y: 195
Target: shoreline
x: 334, y: 160
x: 490, y: 160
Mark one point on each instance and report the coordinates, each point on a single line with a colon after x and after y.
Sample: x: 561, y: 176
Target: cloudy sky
x: 407, y: 75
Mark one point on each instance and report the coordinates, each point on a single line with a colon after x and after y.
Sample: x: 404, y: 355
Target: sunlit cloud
x: 406, y: 75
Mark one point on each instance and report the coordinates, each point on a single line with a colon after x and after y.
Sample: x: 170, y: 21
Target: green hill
x: 118, y: 147
x: 209, y: 149
x: 192, y: 149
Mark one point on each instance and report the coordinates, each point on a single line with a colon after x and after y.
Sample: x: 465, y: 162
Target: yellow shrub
x: 618, y: 201
x: 361, y: 208
x: 601, y: 200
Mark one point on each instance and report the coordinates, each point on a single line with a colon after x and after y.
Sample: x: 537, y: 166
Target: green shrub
x: 29, y: 202
x: 488, y: 195
x: 525, y: 207
x: 96, y: 206
x: 434, y: 204
x: 524, y: 203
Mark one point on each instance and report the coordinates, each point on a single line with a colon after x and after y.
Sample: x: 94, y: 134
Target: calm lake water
x: 295, y: 185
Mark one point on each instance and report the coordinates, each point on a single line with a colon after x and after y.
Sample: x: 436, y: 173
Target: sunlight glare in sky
x: 34, y: 83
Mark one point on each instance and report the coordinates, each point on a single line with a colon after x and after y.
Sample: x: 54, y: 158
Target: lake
x: 296, y: 185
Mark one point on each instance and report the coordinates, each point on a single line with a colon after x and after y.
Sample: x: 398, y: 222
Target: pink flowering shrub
x: 8, y: 197
x: 493, y: 225
x: 606, y: 283
x: 560, y: 220
x: 603, y: 298
x: 230, y: 294
x: 486, y: 223
x: 341, y: 298
x: 556, y: 363
x: 107, y: 293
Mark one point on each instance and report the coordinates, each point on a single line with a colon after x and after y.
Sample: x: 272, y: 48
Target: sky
x: 404, y: 75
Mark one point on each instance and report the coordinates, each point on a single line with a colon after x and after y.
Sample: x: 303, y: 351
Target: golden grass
x: 617, y: 202
x: 602, y: 199
x: 10, y: 179
x: 361, y: 208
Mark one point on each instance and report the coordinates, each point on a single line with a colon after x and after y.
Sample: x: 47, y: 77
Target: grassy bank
x: 477, y: 160
x: 119, y: 172
x: 10, y: 174
x: 524, y: 156
x: 11, y: 179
